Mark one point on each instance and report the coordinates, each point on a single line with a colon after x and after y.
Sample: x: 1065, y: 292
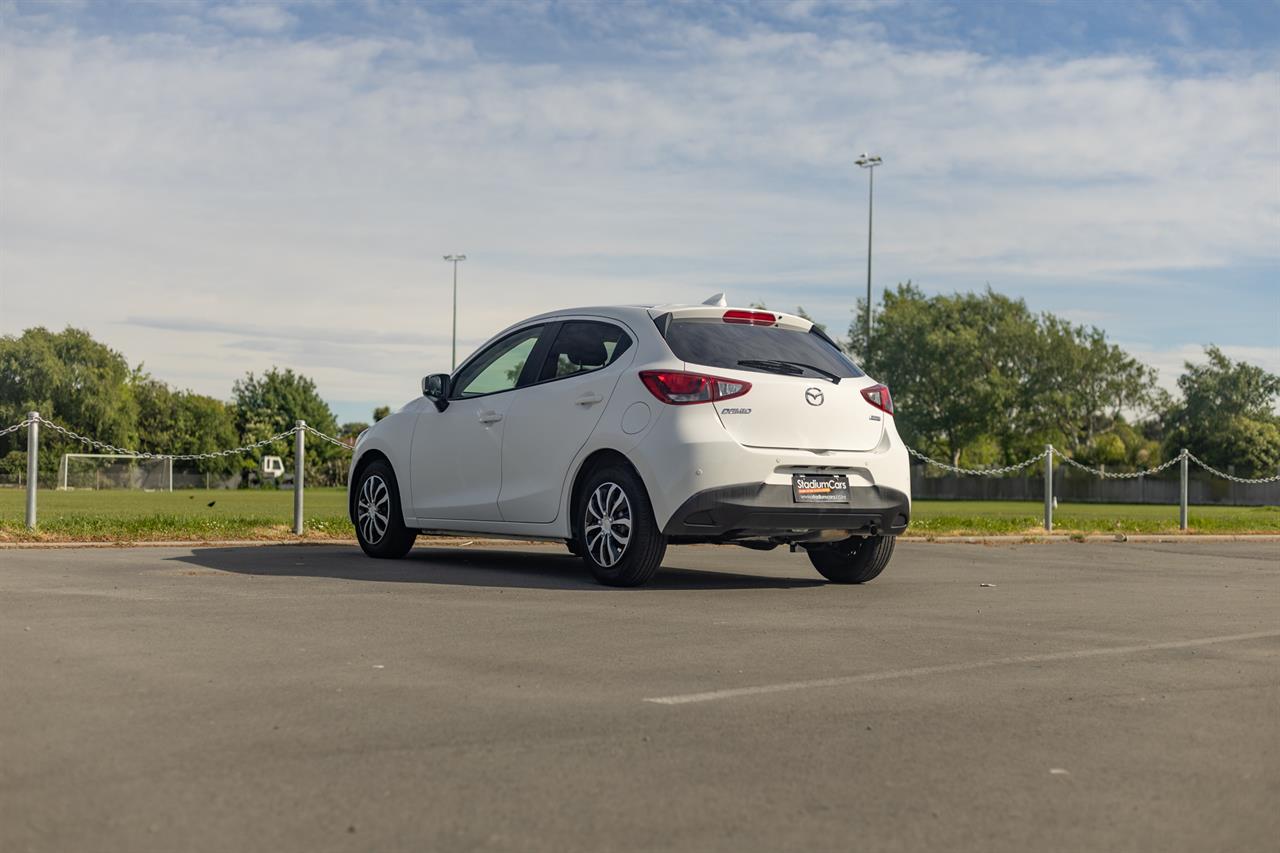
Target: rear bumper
x: 749, y: 510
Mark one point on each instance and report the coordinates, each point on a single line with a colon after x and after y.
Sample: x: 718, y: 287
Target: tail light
x: 679, y: 388
x: 750, y: 318
x: 878, y: 396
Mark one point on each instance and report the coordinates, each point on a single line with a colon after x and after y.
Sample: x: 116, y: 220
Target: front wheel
x: 379, y: 522
x: 854, y: 560
x: 617, y: 536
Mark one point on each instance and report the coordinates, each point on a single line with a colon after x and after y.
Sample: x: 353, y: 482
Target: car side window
x: 497, y: 368
x: 582, y: 346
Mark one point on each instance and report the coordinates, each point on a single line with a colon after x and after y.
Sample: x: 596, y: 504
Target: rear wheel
x: 854, y: 560
x: 379, y: 522
x: 617, y: 536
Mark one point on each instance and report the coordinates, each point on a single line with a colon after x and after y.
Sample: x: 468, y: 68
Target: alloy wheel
x: 608, y: 524
x: 373, y: 510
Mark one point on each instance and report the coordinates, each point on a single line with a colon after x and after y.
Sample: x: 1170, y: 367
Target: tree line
x: 980, y: 380
x: 977, y: 379
x: 91, y: 389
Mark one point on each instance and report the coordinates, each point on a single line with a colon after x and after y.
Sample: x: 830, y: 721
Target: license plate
x: 820, y: 488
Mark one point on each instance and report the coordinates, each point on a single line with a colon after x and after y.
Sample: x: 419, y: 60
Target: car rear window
x: 715, y: 343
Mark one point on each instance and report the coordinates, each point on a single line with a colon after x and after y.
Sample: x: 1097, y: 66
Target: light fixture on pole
x: 455, y: 259
x: 869, y: 162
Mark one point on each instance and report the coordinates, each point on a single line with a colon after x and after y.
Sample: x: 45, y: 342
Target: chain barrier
x: 978, y: 472
x: 318, y: 434
x: 138, y: 454
x: 19, y: 425
x: 1232, y: 477
x: 1108, y: 475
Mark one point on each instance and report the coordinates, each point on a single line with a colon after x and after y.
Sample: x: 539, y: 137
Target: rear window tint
x: 582, y: 346
x: 715, y: 343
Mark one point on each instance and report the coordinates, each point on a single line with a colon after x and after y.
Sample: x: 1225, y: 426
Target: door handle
x: 588, y: 399
x: 489, y: 416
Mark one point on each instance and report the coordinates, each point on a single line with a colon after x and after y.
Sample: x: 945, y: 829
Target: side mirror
x: 436, y: 389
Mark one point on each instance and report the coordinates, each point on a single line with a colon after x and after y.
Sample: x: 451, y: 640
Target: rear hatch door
x: 805, y: 392
x: 800, y: 413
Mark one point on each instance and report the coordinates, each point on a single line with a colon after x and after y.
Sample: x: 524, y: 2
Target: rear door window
x: 715, y: 343
x: 582, y: 346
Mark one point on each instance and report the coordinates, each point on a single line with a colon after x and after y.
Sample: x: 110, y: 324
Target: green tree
x: 272, y: 403
x: 1076, y: 387
x: 948, y: 361
x: 70, y: 379
x: 979, y: 378
x: 1227, y: 415
x: 380, y: 413
x: 351, y: 429
x: 182, y: 423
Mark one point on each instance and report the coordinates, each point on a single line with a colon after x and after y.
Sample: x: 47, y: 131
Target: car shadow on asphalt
x: 542, y: 569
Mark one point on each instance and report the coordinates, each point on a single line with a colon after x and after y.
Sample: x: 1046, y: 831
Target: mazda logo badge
x: 813, y: 396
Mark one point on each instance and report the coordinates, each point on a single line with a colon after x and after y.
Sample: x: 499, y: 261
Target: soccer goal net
x: 114, y: 471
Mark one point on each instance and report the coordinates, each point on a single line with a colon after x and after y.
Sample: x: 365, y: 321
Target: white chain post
x: 299, y: 465
x: 33, y: 466
x: 1182, y: 491
x: 1048, y: 488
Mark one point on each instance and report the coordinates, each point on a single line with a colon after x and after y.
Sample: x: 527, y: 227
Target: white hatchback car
x: 622, y: 429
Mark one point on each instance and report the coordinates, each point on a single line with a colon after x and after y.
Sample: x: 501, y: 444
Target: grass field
x: 107, y: 516
x: 110, y: 516
x: 937, y: 518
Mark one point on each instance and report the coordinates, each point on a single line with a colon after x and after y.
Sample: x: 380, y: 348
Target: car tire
x: 853, y: 560
x: 379, y: 522
x: 616, y: 534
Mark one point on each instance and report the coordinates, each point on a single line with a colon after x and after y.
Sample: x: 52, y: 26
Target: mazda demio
x: 622, y: 430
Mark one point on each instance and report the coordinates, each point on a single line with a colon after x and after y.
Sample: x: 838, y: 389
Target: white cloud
x: 254, y: 16
x: 314, y: 184
x: 1171, y: 361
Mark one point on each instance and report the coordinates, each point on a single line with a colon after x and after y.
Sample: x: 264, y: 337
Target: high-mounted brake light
x: 750, y: 318
x: 679, y: 388
x: 878, y: 396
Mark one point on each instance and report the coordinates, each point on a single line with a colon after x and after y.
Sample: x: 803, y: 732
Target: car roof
x: 639, y: 317
x: 637, y: 313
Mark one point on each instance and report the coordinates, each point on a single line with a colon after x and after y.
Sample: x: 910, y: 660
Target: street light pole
x: 869, y: 162
x: 455, y: 259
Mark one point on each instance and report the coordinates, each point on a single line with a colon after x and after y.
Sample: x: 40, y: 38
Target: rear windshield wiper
x: 771, y: 366
x: 790, y: 368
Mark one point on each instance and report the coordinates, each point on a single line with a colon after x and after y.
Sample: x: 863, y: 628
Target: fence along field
x: 251, y: 513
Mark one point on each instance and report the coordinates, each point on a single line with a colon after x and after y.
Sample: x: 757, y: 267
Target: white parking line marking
x: 840, y: 681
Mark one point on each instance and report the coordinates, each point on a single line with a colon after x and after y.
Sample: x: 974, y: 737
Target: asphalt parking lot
x: 1092, y: 697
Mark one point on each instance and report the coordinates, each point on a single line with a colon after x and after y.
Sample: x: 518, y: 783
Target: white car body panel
x: 515, y: 476
x: 779, y: 416
x: 547, y: 425
x: 456, y: 459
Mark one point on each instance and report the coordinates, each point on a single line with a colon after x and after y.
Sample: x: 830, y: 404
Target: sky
x: 216, y: 188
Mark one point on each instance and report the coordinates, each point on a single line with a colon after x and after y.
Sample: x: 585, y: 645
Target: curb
x: 462, y: 542
x: 433, y: 541
x: 1117, y: 538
